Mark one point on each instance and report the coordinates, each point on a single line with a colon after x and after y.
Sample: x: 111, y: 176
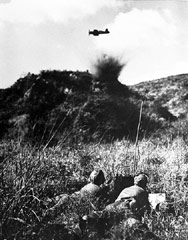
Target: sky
x: 149, y: 36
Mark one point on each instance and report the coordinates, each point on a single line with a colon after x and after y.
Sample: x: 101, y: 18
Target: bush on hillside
x: 163, y: 112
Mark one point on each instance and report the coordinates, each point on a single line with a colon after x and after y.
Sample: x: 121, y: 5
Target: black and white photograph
x: 94, y: 119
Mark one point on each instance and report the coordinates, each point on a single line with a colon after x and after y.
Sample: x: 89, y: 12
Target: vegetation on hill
x: 167, y: 98
x: 170, y: 92
x: 74, y: 105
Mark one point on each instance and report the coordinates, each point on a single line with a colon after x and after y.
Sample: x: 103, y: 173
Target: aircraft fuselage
x: 96, y: 32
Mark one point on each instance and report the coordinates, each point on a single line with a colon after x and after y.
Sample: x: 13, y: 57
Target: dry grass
x: 31, y: 177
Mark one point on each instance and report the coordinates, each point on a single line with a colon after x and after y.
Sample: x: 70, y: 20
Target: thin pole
x: 137, y: 135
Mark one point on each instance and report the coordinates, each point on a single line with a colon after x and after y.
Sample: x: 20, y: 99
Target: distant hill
x: 170, y: 92
x: 72, y: 105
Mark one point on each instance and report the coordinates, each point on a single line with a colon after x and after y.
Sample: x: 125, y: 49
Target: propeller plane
x: 96, y: 32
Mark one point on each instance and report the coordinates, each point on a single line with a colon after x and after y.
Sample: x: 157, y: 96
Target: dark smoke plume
x: 108, y: 69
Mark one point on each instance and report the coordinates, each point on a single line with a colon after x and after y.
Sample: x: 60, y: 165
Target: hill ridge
x: 90, y: 107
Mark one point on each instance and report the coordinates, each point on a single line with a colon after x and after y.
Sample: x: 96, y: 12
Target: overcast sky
x: 150, y: 36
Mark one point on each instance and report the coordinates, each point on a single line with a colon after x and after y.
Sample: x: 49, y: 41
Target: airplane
x: 96, y: 32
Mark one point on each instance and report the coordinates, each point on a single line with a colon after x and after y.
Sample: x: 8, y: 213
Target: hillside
x: 66, y: 105
x: 170, y: 92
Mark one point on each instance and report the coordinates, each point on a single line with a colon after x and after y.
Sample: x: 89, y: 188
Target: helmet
x: 141, y: 180
x: 97, y: 177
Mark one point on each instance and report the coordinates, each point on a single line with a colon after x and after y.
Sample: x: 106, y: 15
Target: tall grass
x: 31, y: 178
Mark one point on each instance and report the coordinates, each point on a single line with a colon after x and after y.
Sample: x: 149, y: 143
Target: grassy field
x: 32, y: 177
